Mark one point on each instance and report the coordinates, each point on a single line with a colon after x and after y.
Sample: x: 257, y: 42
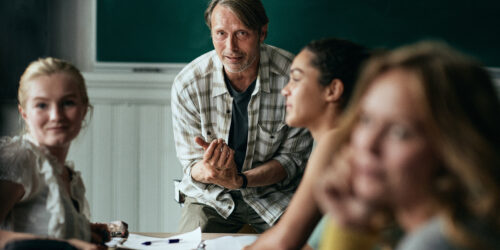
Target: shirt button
x: 272, y: 136
x: 228, y: 111
x: 208, y: 133
x: 229, y: 207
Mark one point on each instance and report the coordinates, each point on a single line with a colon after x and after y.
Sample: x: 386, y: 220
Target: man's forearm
x: 266, y: 174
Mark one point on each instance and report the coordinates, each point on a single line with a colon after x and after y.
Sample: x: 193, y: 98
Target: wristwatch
x: 245, y: 180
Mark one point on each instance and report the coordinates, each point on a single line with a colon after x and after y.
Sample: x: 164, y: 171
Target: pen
x: 169, y: 241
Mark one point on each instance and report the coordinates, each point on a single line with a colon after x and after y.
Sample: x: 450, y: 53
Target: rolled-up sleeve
x: 186, y: 126
x: 293, y: 153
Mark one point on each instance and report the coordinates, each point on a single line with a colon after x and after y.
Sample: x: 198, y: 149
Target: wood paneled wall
x: 126, y: 153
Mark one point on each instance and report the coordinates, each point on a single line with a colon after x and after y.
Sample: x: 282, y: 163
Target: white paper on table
x: 229, y: 242
x: 187, y: 241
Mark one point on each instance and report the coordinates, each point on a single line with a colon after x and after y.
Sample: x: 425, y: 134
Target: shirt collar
x: 218, y: 85
x: 31, y: 139
x: 264, y: 71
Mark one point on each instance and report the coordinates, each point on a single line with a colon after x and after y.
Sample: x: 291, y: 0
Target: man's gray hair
x: 250, y: 12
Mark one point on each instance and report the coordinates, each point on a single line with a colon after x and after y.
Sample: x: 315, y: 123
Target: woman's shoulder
x: 315, y: 238
x: 15, y: 150
x: 435, y: 235
x: 428, y: 236
x: 17, y: 154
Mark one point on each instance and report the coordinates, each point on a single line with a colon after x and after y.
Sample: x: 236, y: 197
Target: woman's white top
x: 46, y: 208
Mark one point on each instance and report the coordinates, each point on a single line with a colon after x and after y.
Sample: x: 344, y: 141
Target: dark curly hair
x: 338, y: 59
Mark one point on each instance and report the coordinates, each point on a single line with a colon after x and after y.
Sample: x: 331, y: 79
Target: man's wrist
x: 245, y: 180
x: 195, y: 173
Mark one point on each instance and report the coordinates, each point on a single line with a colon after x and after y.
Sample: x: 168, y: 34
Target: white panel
x: 152, y: 147
x: 173, y: 170
x: 102, y: 178
x: 143, y: 88
x: 127, y: 155
x: 125, y: 164
x: 81, y: 154
x: 159, y: 166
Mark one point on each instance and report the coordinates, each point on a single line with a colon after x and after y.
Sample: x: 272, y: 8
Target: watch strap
x: 245, y: 180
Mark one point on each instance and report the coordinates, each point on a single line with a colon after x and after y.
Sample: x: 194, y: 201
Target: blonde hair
x: 48, y: 66
x: 461, y: 119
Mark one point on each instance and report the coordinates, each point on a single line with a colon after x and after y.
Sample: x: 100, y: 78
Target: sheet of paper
x: 229, y: 242
x: 188, y: 240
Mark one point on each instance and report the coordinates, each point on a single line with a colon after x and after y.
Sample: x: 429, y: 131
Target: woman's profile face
x: 53, y: 111
x: 304, y: 98
x: 392, y: 158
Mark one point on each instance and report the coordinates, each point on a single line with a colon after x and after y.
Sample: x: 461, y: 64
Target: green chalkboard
x: 174, y: 31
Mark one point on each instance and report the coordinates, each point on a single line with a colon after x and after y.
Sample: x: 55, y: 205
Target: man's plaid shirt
x: 201, y: 106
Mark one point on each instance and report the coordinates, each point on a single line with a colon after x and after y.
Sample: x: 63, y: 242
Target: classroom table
x: 204, y: 236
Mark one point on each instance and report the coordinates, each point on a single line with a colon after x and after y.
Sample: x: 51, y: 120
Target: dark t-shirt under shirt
x: 238, y: 133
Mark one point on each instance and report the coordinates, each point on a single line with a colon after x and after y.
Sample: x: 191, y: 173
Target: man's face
x: 237, y: 46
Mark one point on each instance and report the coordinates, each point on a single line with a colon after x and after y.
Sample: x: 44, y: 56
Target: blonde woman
x: 42, y: 195
x: 421, y: 142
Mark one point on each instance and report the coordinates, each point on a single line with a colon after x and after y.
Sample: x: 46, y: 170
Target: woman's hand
x: 335, y: 195
x: 100, y: 233
x: 118, y: 229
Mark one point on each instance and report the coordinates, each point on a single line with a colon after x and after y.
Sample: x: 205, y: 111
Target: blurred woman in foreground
x: 420, y: 143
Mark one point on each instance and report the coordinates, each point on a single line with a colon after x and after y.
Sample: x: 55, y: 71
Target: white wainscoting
x: 126, y: 154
